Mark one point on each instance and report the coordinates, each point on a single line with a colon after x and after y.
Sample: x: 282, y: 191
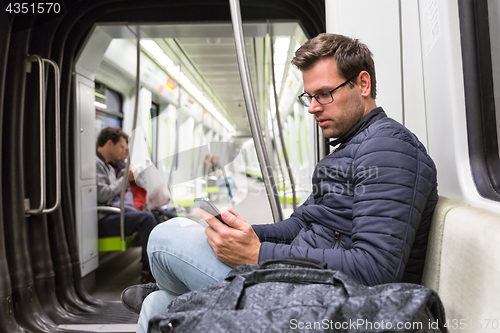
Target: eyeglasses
x: 324, y: 97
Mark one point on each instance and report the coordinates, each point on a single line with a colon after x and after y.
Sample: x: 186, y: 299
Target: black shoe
x: 132, y: 297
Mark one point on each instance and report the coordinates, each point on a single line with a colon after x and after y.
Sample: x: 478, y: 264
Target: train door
x: 42, y: 285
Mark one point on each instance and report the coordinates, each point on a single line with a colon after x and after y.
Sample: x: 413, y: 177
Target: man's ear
x: 365, y: 83
x: 109, y: 143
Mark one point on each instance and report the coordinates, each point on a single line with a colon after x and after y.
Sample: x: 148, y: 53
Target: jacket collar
x: 100, y: 157
x: 372, y: 116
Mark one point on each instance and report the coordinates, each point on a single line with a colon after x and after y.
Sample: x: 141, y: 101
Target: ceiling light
x: 280, y: 58
x: 213, y: 40
x: 281, y: 44
x: 152, y: 47
x: 164, y: 60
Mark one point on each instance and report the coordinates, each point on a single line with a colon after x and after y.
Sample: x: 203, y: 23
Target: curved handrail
x: 108, y: 209
x: 253, y: 116
x: 57, y: 79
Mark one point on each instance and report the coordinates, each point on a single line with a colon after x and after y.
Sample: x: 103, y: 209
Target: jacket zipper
x: 336, y: 244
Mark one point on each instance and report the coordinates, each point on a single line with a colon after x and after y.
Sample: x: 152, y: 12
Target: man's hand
x: 131, y: 171
x: 130, y: 175
x: 235, y: 244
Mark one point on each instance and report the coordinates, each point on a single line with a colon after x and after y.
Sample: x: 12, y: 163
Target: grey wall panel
x: 88, y: 225
x: 86, y: 117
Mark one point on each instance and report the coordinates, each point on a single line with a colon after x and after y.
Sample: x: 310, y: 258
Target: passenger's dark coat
x: 378, y: 191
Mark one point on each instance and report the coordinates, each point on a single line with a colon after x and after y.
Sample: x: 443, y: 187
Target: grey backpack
x: 300, y: 295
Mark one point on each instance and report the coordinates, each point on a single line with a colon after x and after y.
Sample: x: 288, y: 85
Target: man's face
x: 118, y: 149
x: 124, y: 154
x: 347, y: 108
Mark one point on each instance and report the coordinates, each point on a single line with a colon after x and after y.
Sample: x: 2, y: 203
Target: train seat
x: 463, y: 265
x: 105, y: 244
x: 430, y: 277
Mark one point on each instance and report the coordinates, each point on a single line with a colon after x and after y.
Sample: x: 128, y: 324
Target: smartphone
x: 209, y: 207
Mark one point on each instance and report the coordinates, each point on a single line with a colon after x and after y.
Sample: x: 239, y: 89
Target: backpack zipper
x: 336, y: 244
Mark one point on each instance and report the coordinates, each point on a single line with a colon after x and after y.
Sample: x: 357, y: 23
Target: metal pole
x: 253, y: 116
x: 316, y: 143
x: 278, y: 119
x: 131, y: 144
x: 278, y: 156
x: 176, y: 145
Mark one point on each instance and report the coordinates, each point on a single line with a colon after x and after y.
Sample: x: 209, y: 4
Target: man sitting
x: 368, y: 215
x: 111, y: 143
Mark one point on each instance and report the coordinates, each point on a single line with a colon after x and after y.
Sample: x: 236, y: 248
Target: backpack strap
x: 296, y: 261
x: 230, y: 296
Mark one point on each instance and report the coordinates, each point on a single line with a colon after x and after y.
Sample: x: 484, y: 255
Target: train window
x: 108, y: 107
x: 481, y: 64
x: 191, y: 116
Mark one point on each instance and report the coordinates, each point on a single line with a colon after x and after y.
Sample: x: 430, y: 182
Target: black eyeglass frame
x: 316, y: 98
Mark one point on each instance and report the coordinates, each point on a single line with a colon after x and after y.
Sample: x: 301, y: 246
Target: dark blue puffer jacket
x: 370, y: 210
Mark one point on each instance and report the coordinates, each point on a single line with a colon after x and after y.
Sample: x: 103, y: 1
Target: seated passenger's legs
x: 142, y: 222
x: 181, y: 260
x: 165, y: 212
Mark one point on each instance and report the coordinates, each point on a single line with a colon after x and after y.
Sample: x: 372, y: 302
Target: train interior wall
x: 418, y: 58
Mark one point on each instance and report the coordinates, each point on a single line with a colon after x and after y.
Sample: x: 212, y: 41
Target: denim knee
x: 167, y: 233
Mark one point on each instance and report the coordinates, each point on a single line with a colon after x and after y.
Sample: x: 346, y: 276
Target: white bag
x: 150, y: 178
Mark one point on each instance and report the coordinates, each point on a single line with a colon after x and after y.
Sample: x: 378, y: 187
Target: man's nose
x: 314, y: 106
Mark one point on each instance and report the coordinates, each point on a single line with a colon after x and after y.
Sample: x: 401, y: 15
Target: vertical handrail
x: 253, y: 116
x: 131, y: 144
x: 57, y: 82
x: 277, y: 153
x: 175, y: 156
x: 278, y: 119
x: 38, y: 59
x: 316, y: 143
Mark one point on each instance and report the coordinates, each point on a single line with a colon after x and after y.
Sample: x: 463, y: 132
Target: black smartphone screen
x: 209, y: 207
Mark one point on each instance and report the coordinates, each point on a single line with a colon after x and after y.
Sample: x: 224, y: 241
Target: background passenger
x: 223, y: 179
x: 111, y: 144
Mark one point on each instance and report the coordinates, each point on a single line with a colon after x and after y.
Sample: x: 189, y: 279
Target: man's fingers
x: 210, y: 219
x: 205, y: 215
x: 233, y: 219
x: 232, y: 212
x: 229, y: 216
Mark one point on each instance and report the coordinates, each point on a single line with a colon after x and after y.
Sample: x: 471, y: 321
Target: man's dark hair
x: 350, y: 55
x: 110, y: 133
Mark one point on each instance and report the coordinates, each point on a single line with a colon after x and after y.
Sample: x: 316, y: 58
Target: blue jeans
x: 181, y: 260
